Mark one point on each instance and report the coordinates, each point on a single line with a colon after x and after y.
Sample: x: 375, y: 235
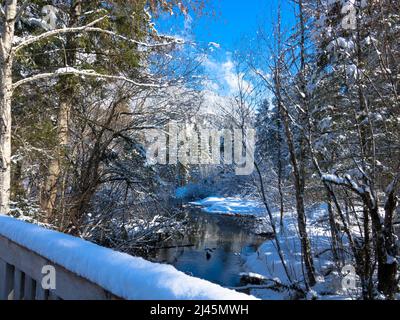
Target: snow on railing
x: 84, y: 270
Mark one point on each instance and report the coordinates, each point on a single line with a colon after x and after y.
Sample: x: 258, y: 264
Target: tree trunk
x: 280, y: 190
x: 5, y: 105
x: 51, y: 188
x: 280, y: 168
x: 301, y: 216
x: 387, y: 269
x: 334, y: 230
x: 367, y: 272
x: 5, y: 144
x: 298, y: 161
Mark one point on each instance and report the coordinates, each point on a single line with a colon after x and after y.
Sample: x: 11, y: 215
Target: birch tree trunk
x: 5, y: 104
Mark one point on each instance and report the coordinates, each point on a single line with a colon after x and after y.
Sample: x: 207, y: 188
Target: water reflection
x: 217, y: 244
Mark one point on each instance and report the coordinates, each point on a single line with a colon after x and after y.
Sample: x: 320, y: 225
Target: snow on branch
x: 90, y: 28
x: 88, y: 73
x: 347, y: 181
x: 32, y: 39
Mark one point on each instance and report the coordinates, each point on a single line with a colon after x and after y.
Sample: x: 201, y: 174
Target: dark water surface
x: 212, y: 247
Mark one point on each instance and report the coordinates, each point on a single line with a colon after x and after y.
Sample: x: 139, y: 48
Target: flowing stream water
x: 213, y: 247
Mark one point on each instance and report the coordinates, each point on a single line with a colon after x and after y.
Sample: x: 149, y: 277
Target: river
x: 213, y: 247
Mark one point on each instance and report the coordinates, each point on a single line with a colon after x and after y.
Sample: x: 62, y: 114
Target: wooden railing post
x: 21, y: 276
x: 30, y: 288
x: 19, y: 279
x: 6, y: 280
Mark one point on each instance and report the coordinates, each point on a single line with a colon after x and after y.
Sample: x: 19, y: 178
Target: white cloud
x: 223, y: 75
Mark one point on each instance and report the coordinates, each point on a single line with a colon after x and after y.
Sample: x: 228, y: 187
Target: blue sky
x: 233, y: 27
x: 233, y: 20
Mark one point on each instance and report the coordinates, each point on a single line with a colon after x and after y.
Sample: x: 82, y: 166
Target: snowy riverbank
x: 231, y: 206
x: 266, y: 262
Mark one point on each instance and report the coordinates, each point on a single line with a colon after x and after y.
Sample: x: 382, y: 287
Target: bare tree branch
x: 89, y: 28
x: 89, y: 73
x: 55, y: 32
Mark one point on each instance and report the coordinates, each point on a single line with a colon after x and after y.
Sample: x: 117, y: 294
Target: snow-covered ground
x: 123, y: 275
x: 266, y: 262
x: 231, y: 206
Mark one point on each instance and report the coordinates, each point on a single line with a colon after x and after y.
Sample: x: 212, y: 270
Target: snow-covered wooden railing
x: 84, y: 270
x: 21, y: 277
